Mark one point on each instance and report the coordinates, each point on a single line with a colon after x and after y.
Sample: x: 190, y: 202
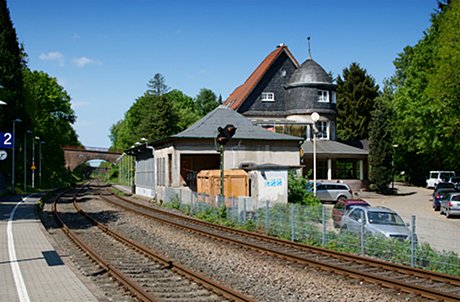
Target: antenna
x: 309, y: 51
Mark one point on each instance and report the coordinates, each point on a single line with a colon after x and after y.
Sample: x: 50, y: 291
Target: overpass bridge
x: 77, y: 155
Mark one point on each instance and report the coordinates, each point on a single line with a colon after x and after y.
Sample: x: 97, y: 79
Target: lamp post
x: 393, y: 168
x: 12, y: 157
x: 33, y: 161
x: 315, y: 118
x: 25, y: 158
x: 40, y: 163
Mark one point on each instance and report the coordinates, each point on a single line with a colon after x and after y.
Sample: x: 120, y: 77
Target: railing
x: 91, y: 149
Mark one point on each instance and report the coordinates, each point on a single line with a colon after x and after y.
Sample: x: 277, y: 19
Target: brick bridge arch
x: 75, y: 155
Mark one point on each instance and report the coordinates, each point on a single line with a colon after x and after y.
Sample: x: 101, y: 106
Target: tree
x: 157, y: 85
x: 206, y: 101
x: 426, y: 100
x: 356, y: 94
x: 11, y: 82
x: 186, y: 109
x: 381, y: 150
x: 49, y: 107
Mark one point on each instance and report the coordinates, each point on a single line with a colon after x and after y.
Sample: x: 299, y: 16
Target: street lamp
x: 17, y: 120
x: 40, y: 163
x: 33, y: 161
x: 25, y: 158
x: 315, y: 118
x: 393, y: 168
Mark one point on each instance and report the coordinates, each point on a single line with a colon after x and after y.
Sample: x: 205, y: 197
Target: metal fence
x: 314, y: 226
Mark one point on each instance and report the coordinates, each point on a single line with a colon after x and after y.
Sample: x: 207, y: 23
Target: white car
x: 436, y: 177
x: 333, y: 192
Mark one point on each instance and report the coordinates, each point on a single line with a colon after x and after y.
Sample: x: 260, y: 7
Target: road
x: 431, y: 227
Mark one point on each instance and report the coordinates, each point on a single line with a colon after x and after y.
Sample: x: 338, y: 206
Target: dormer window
x: 323, y: 96
x: 268, y: 97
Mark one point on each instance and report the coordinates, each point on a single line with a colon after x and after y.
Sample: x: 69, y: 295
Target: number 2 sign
x: 6, y: 140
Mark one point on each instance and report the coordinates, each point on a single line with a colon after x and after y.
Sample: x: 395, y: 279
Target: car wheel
x: 341, y: 198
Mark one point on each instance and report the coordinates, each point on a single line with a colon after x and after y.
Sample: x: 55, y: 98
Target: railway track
x: 422, y: 283
x: 147, y: 275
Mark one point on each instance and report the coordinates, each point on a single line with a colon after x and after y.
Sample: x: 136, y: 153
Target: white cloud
x: 83, y: 61
x: 53, y: 56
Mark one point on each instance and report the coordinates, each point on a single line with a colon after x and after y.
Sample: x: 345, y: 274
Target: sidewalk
x: 30, y: 268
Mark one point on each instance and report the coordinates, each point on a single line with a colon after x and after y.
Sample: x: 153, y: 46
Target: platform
x: 30, y: 268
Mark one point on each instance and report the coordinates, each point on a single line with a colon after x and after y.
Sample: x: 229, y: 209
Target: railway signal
x: 224, y: 136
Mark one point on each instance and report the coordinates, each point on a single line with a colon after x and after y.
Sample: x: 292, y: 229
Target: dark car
x: 440, y: 194
x: 344, y: 205
x: 441, y: 186
x: 456, y: 181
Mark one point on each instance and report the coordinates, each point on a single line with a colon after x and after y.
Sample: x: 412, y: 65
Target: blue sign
x: 6, y: 140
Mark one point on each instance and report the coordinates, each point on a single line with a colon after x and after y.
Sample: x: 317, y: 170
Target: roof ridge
x: 236, y: 98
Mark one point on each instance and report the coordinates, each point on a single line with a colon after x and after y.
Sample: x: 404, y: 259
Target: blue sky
x: 103, y: 52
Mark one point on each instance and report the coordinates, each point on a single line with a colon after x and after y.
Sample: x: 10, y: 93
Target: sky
x: 103, y: 52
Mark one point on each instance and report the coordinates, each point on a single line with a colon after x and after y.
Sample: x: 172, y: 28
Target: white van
x: 437, y: 177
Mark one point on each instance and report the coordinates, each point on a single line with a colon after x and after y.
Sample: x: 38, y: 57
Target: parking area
x: 431, y: 227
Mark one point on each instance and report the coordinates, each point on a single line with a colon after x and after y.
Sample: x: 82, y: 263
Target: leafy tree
x: 381, y: 150
x: 206, y: 101
x: 356, y: 94
x: 159, y: 119
x: 426, y: 101
x: 157, y: 85
x: 49, y: 107
x: 186, y: 109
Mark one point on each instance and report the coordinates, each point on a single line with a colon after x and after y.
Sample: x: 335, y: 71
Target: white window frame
x: 323, y: 130
x: 323, y: 96
x: 267, y: 97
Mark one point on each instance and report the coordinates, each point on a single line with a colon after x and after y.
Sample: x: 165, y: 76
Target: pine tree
x: 10, y: 70
x: 157, y: 85
x: 356, y: 94
x: 381, y: 150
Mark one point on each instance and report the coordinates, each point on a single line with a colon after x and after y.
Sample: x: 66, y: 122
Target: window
x: 323, y: 130
x: 323, y: 96
x: 268, y: 97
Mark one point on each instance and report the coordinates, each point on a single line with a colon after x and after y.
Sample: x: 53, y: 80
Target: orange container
x: 236, y: 183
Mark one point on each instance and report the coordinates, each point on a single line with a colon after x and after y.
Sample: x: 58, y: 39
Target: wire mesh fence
x: 431, y: 248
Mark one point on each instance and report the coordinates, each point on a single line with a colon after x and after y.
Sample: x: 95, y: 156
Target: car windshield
x: 388, y: 218
x: 447, y: 175
x: 456, y: 198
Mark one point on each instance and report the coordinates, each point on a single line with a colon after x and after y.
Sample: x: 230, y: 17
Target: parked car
x: 377, y: 221
x: 442, y: 186
x: 456, y: 181
x: 436, y: 177
x: 450, y: 205
x: 344, y: 205
x: 441, y: 193
x: 331, y: 191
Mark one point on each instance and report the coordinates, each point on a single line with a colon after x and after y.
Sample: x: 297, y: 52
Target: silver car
x: 377, y: 221
x: 450, y: 205
x: 333, y: 192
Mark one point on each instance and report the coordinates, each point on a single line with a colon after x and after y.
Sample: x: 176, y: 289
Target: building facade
x: 281, y: 95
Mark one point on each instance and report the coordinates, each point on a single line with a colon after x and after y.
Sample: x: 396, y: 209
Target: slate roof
x: 220, y: 117
x: 328, y: 147
x: 309, y: 73
x: 239, y: 95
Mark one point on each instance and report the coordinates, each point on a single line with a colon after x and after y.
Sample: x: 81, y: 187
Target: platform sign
x: 6, y: 140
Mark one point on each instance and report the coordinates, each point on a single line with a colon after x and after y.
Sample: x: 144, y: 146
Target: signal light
x: 225, y: 134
